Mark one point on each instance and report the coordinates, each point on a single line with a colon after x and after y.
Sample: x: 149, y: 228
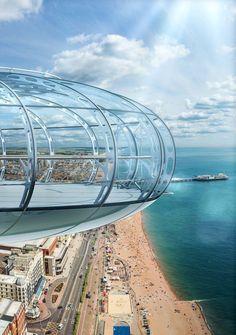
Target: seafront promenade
x: 133, y: 289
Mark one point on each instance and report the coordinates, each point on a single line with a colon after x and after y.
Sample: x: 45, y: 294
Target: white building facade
x: 26, y: 268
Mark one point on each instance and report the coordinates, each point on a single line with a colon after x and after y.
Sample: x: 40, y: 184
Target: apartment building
x: 25, y: 268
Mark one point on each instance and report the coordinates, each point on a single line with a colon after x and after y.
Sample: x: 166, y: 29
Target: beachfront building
x: 56, y: 259
x: 48, y: 248
x: 61, y: 256
x: 55, y: 252
x: 74, y: 157
x: 27, y: 263
x: 12, y: 318
x: 26, y: 270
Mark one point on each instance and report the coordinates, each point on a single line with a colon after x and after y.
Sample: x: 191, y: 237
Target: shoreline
x: 178, y: 297
x: 204, y: 316
x: 167, y: 312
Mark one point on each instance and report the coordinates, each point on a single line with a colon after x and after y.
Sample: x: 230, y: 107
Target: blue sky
x: 176, y: 56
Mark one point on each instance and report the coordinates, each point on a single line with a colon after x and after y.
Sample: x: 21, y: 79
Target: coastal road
x: 72, y: 291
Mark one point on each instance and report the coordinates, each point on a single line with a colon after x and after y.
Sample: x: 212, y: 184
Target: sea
x: 193, y: 232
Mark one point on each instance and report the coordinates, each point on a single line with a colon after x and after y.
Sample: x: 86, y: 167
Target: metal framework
x: 71, y: 148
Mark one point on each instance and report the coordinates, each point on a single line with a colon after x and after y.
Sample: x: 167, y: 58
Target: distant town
x: 64, y: 166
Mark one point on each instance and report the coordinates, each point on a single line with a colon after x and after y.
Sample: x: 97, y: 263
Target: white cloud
x: 166, y: 49
x: 105, y: 59
x: 227, y: 86
x: 192, y: 116
x: 214, y: 114
x: 226, y: 49
x: 138, y: 70
x: 223, y: 98
x: 83, y: 38
x: 11, y: 10
x: 234, y: 10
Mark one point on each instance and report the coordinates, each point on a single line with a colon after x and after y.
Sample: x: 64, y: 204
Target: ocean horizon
x: 193, y: 234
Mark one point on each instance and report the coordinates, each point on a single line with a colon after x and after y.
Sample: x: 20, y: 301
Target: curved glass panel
x: 149, y: 145
x: 168, y: 149
x: 17, y: 159
x: 71, y: 148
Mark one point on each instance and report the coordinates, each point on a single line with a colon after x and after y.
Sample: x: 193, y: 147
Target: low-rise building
x: 49, y: 246
x: 61, y: 256
x: 55, y: 255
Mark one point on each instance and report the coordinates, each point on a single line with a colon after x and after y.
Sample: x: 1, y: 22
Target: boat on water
x: 208, y: 177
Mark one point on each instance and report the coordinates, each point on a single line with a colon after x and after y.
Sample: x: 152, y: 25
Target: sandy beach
x: 167, y: 314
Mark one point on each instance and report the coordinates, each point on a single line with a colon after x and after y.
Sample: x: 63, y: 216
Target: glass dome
x: 74, y: 157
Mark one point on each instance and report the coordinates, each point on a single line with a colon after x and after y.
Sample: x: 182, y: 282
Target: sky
x: 175, y: 56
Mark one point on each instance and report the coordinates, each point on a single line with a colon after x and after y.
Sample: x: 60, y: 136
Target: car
x: 69, y: 306
x: 60, y: 307
x: 60, y: 326
x: 48, y: 332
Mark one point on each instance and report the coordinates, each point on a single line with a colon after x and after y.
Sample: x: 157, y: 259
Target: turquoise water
x: 194, y: 235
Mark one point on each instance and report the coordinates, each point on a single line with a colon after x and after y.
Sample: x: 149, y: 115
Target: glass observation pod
x: 75, y: 157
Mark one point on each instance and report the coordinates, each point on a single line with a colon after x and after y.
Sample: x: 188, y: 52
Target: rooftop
x: 7, y: 279
x: 9, y: 307
x: 21, y: 245
x: 58, y: 252
x: 47, y: 243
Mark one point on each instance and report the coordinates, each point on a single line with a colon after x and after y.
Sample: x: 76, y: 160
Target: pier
x: 179, y: 180
x: 202, y: 178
